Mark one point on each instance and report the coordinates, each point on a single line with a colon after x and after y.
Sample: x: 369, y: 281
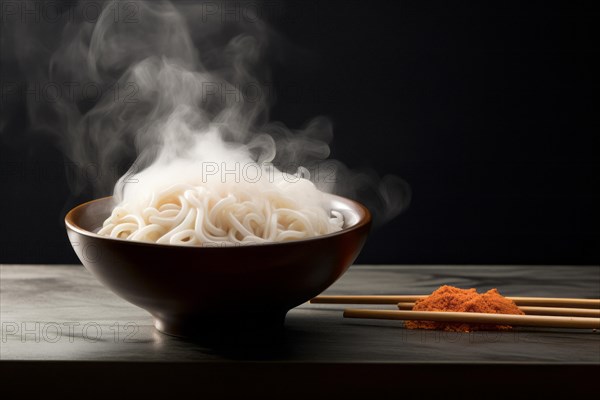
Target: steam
x: 178, y: 84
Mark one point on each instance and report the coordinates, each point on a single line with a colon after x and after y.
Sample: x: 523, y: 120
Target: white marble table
x: 58, y: 318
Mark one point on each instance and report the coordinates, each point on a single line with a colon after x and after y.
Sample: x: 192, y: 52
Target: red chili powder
x: 450, y: 298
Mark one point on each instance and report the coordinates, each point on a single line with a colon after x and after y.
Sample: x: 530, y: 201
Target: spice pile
x: 449, y: 298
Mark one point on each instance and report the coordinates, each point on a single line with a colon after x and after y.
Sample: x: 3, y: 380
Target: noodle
x: 192, y: 215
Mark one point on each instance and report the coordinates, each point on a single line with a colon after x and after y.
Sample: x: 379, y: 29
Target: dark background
x: 489, y: 112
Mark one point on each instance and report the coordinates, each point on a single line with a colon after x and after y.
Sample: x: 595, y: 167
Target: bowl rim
x: 362, y: 222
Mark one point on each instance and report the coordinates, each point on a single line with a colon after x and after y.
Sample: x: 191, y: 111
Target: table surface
x: 60, y: 312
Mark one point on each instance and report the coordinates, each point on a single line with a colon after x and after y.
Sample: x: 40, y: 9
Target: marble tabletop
x: 60, y: 313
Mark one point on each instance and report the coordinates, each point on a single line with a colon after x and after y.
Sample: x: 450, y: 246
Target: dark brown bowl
x: 187, y: 289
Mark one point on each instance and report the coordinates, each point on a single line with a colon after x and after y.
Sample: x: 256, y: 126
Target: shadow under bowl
x: 191, y: 289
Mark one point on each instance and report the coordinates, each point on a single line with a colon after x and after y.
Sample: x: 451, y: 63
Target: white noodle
x: 184, y: 214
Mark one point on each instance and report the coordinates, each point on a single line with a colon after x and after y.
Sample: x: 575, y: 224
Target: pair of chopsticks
x: 540, y: 311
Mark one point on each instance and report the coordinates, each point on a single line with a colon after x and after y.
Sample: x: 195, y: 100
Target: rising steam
x: 179, y: 83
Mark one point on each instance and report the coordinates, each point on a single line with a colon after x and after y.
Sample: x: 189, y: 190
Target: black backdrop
x: 489, y: 112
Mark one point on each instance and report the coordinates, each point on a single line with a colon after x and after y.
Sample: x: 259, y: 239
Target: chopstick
x: 563, y: 311
x: 520, y: 301
x: 477, y: 318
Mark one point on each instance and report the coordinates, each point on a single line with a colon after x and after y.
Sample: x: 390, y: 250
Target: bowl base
x: 203, y: 325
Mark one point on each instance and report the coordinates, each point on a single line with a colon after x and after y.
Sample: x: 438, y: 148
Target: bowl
x: 189, y: 289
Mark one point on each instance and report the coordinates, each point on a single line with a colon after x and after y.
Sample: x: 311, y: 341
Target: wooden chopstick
x: 563, y: 311
x: 520, y: 301
x: 477, y: 318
